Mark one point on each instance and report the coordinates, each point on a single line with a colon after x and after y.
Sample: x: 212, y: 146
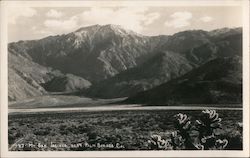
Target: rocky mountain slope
x: 95, y: 52
x: 220, y: 46
x: 66, y: 83
x: 217, y: 81
x: 23, y: 79
x: 162, y: 67
x: 171, y: 61
x: 115, y: 61
x: 28, y: 79
x: 186, y: 40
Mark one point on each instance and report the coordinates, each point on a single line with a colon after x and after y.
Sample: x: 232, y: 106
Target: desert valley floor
x: 101, y: 124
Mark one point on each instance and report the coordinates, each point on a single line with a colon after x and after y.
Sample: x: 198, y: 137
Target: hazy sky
x: 33, y: 23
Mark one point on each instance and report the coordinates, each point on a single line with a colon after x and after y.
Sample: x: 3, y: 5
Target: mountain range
x: 107, y: 61
x: 218, y: 81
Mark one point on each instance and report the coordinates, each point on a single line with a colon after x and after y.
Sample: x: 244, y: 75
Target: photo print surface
x: 126, y: 78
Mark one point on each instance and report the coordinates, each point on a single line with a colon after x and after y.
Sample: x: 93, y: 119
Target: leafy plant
x: 201, y: 134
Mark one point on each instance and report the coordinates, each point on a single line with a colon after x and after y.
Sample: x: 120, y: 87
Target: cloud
x: 206, y: 19
x: 179, y: 19
x: 60, y: 26
x: 15, y: 12
x: 151, y: 18
x: 133, y: 18
x: 52, y: 13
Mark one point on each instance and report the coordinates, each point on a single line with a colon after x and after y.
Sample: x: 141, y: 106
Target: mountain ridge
x: 160, y: 68
x: 220, y: 83
x: 144, y: 77
x: 94, y: 54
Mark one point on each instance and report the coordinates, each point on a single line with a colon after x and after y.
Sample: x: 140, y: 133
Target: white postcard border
x: 4, y: 80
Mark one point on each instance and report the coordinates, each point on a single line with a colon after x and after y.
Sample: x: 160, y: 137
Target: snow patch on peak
x: 120, y: 30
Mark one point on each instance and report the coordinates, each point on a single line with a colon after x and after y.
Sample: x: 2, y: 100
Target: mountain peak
x: 91, y: 27
x: 113, y: 26
x: 103, y: 27
x: 118, y: 29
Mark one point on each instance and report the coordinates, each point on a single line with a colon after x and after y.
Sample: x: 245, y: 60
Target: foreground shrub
x: 201, y: 134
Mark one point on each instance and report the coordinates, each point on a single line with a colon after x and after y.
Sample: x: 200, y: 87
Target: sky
x: 29, y: 23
